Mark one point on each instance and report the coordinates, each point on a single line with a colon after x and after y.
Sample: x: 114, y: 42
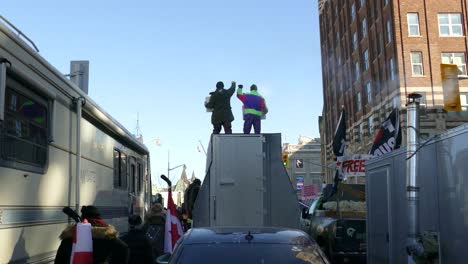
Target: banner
x: 354, y: 165
x: 309, y: 191
x: 389, y: 136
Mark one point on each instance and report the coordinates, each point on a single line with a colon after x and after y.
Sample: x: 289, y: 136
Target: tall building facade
x: 304, y: 166
x: 376, y: 52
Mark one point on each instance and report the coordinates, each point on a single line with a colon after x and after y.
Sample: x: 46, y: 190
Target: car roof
x: 236, y: 235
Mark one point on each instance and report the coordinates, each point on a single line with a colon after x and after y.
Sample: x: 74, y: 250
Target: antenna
x: 138, y: 134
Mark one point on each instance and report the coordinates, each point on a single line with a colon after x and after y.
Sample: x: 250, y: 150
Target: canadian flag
x: 82, y: 249
x: 173, y: 227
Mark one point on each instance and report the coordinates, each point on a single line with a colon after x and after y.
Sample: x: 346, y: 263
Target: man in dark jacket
x: 140, y: 247
x: 107, y: 247
x: 220, y: 102
x: 196, y: 185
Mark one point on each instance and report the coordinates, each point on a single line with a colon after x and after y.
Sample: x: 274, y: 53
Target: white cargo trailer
x: 246, y: 184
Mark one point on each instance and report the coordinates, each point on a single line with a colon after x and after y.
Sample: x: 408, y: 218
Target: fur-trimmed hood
x: 98, y: 232
x: 155, y: 218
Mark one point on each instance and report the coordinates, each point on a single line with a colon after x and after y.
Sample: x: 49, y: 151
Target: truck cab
x: 337, y: 222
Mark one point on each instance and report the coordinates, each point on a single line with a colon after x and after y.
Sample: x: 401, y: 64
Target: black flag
x: 339, y: 138
x: 339, y: 144
x: 389, y: 136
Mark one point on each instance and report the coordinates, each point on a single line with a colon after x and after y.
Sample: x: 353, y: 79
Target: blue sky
x: 161, y: 58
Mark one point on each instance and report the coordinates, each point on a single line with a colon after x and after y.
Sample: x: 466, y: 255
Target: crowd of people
x: 143, y: 242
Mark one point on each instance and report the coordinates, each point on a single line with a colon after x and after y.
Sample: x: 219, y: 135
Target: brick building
x: 376, y: 52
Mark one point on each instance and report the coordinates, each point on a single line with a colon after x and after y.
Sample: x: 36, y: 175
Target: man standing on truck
x: 220, y: 102
x: 253, y: 109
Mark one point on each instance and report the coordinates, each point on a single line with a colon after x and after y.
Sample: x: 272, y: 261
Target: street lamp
x: 158, y: 141
x: 169, y: 167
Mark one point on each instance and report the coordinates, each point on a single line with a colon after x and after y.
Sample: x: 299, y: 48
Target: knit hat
x: 134, y: 220
x: 253, y: 87
x: 90, y: 212
x: 219, y: 85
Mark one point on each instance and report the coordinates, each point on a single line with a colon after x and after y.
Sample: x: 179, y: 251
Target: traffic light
x: 285, y: 159
x: 449, y: 74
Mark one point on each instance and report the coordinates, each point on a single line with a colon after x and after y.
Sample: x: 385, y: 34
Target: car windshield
x: 247, y: 253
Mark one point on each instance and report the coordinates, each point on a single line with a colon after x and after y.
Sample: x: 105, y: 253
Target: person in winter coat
x: 193, y: 193
x: 254, y: 107
x: 107, y: 247
x: 140, y: 247
x: 220, y: 102
x: 155, y: 226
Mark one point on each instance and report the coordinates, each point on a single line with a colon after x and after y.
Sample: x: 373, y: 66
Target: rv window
x: 123, y: 170
x: 24, y: 132
x: 120, y: 170
x: 140, y: 178
x: 132, y: 178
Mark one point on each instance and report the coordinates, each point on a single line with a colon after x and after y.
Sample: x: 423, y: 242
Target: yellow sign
x: 449, y: 73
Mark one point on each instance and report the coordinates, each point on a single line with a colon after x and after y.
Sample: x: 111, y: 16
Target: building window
x: 396, y: 102
x: 356, y: 71
x: 364, y: 27
x: 366, y: 60
x: 464, y: 101
x: 355, y: 42
x: 358, y: 101
x: 385, y: 2
x: 376, y: 8
x: 380, y: 44
x: 361, y: 3
x: 417, y: 63
x: 413, y: 24
x: 389, y: 31
x: 370, y: 125
x: 360, y: 132
x: 353, y: 12
x: 392, y: 69
x: 450, y: 25
x: 337, y: 39
x: 369, y: 92
x: 25, y: 130
x: 457, y: 58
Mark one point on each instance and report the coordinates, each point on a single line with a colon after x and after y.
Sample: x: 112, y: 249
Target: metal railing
x: 20, y: 33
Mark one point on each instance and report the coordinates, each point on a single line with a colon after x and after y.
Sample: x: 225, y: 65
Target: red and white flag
x: 173, y: 227
x: 82, y: 249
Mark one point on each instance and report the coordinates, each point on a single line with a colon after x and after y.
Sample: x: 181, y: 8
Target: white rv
x: 58, y: 148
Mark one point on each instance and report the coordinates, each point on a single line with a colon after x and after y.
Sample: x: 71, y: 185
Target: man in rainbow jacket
x: 253, y: 109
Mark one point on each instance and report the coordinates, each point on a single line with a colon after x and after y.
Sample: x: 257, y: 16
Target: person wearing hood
x: 107, y: 247
x: 220, y: 102
x: 139, y: 245
x: 155, y: 226
x: 254, y: 107
x: 192, y: 197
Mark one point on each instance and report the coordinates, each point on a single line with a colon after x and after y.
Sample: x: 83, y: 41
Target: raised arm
x: 241, y: 95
